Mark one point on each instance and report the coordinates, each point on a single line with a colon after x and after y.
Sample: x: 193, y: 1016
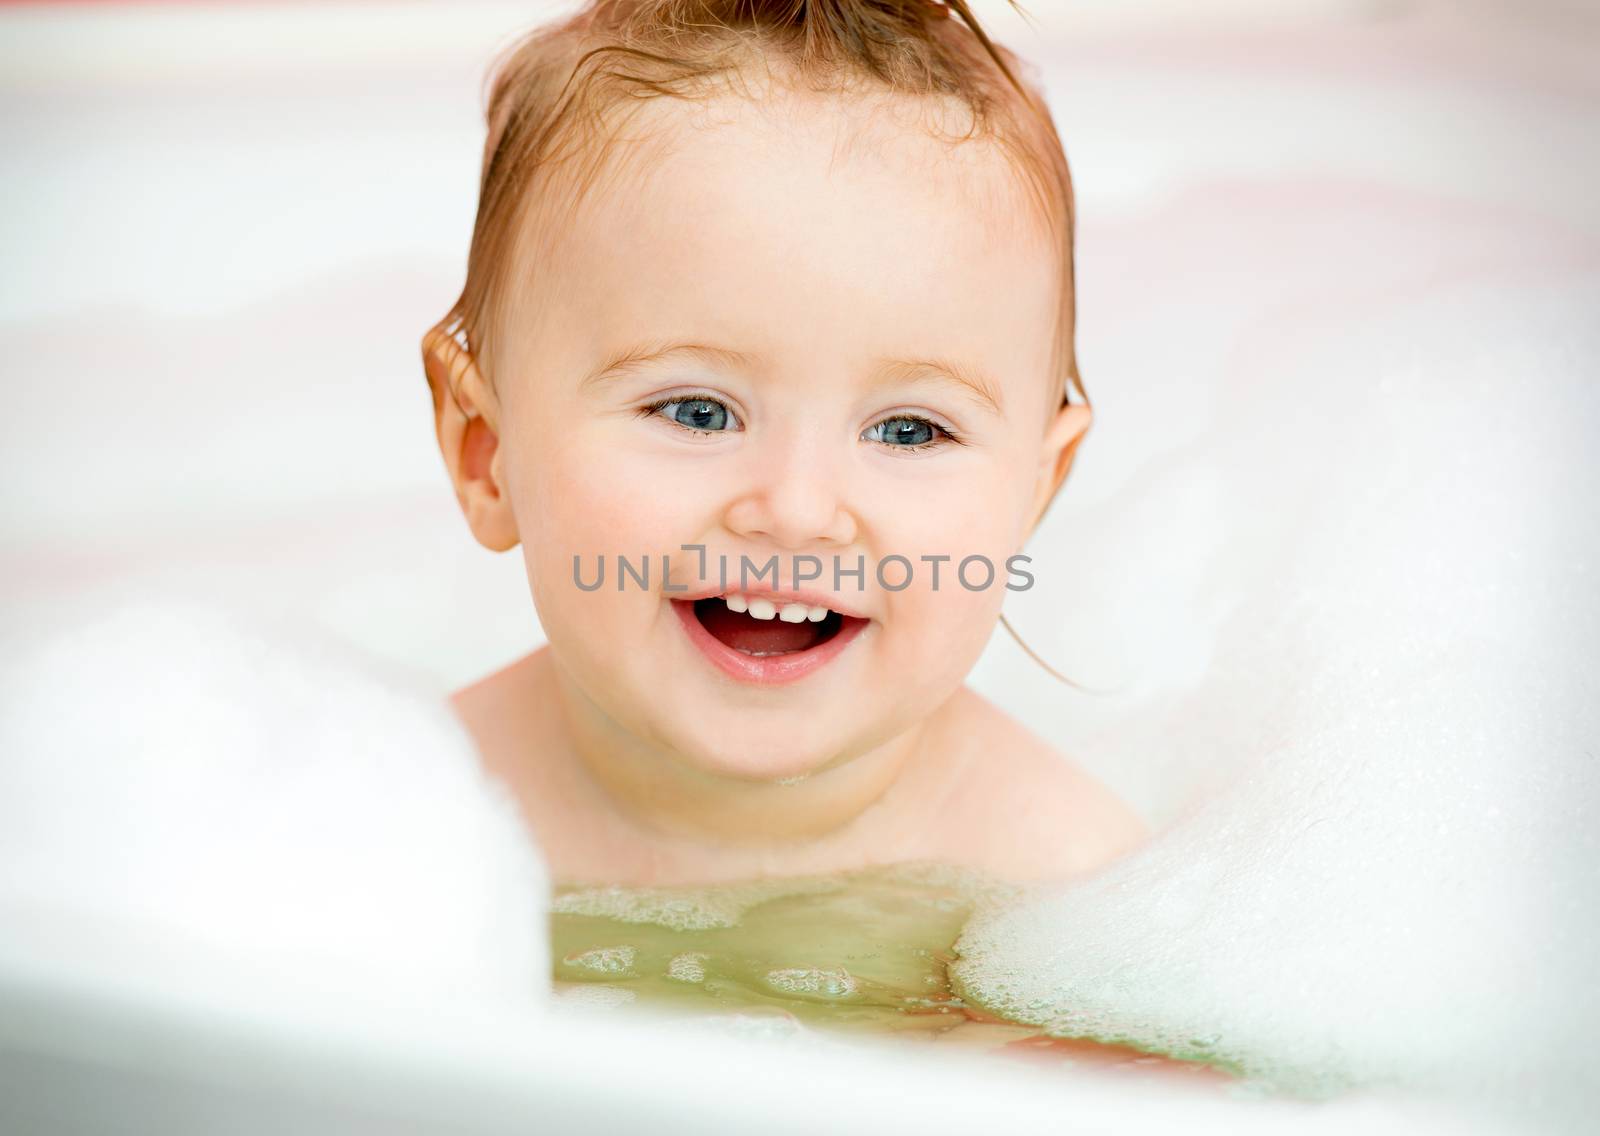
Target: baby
x: 765, y: 360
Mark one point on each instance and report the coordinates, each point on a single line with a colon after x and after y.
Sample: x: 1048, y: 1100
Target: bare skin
x: 976, y: 788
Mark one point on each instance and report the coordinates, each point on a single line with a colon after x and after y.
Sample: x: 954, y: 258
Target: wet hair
x: 559, y: 94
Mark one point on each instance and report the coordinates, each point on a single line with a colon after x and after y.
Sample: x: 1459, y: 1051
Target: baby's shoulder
x: 1028, y: 812
x: 508, y: 715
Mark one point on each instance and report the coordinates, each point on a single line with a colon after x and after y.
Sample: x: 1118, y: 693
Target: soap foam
x: 690, y: 908
x: 1403, y: 891
x: 685, y: 908
x: 183, y: 787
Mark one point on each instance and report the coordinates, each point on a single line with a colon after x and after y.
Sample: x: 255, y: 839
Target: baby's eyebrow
x: 982, y: 388
x: 626, y: 361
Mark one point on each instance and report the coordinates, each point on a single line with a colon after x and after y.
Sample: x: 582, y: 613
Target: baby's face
x: 799, y: 290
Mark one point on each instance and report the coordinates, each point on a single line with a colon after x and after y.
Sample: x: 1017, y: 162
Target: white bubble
x: 1401, y: 889
x: 686, y: 909
x: 593, y: 996
x: 826, y: 982
x: 181, y: 778
x: 603, y: 960
x: 687, y: 967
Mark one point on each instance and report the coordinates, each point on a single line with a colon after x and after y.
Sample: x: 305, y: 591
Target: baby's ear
x: 466, y: 416
x: 1061, y: 440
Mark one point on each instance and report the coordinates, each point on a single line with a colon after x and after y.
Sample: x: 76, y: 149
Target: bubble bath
x: 1330, y: 546
x: 1397, y: 895
x: 1401, y: 887
x: 863, y: 955
x: 1398, y: 890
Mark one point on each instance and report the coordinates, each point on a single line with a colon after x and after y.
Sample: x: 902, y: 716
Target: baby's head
x: 758, y: 279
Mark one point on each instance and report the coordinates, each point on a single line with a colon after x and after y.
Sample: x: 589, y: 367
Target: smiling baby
x: 765, y: 361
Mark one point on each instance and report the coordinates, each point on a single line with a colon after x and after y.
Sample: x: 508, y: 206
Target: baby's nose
x: 795, y: 500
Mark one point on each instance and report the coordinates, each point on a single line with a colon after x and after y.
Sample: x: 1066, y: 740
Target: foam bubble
x: 1402, y: 890
x: 604, y: 960
x: 181, y: 783
x: 757, y: 1025
x: 688, y: 967
x: 595, y: 996
x: 822, y: 982
x: 685, y: 909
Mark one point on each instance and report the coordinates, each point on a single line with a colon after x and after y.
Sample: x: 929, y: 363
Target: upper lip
x: 779, y: 597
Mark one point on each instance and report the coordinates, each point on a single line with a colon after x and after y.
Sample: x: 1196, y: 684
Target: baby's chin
x: 763, y: 749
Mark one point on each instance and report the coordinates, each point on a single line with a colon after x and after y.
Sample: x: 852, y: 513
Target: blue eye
x: 906, y: 432
x: 700, y: 414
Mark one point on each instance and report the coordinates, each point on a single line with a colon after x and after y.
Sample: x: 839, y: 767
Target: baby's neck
x: 607, y: 806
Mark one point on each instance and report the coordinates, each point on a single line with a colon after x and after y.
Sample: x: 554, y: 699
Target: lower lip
x: 765, y: 670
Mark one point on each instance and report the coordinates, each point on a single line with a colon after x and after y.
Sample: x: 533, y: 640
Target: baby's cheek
x: 939, y: 624
x: 951, y: 622
x: 580, y: 502
x: 959, y: 547
x: 571, y: 519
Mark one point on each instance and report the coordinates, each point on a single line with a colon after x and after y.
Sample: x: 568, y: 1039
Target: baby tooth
x: 793, y: 613
x: 736, y: 603
x: 763, y: 609
x: 816, y: 614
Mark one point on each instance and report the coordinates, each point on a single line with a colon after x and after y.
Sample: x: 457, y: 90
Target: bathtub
x: 1328, y: 548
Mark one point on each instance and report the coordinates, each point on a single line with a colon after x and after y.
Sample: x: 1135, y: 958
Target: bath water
x: 865, y: 954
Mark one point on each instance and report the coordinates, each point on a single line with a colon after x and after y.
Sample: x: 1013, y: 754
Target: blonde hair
x: 553, y: 93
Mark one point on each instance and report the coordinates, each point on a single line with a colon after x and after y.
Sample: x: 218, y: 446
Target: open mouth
x: 765, y: 641
x: 751, y: 635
